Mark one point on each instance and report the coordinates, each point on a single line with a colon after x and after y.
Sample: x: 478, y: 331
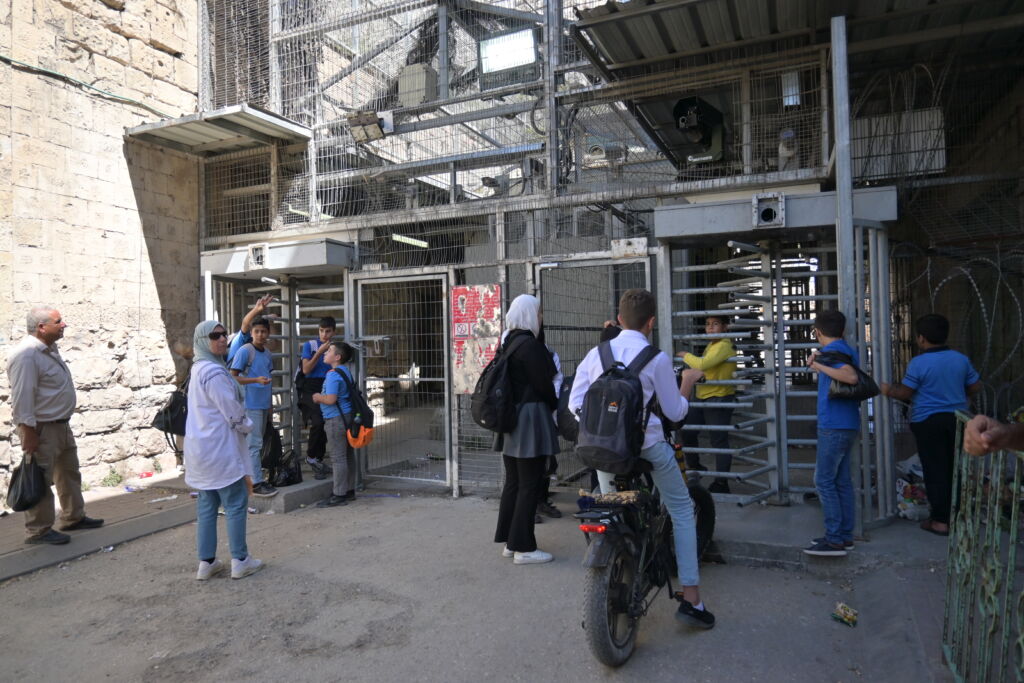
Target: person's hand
x: 811, y: 359
x: 248, y: 483
x: 687, y: 379
x: 316, y: 398
x: 29, y: 439
x: 263, y: 380
x: 883, y: 388
x: 983, y: 435
x: 322, y: 350
x: 610, y: 323
x: 263, y: 302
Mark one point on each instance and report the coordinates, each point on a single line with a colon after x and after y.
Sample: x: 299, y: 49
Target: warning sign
x: 476, y: 332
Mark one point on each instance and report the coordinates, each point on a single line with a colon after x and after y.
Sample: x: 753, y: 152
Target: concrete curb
x: 87, y: 542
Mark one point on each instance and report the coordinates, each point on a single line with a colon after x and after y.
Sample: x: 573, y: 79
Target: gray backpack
x: 613, y: 417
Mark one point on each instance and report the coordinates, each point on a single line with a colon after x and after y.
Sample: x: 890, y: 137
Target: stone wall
x: 103, y: 229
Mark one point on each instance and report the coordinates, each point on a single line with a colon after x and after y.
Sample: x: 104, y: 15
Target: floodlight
x: 508, y: 58
x: 703, y: 127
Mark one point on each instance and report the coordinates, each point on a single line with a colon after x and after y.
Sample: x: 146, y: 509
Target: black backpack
x: 360, y: 430
x: 613, y: 416
x: 568, y: 425
x: 272, y: 452
x: 492, y: 405
x: 171, y: 417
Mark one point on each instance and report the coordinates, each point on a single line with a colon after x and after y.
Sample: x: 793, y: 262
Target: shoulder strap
x: 643, y: 358
x: 251, y: 350
x: 604, y: 350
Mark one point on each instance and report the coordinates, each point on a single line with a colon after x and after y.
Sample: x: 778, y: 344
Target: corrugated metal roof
x: 230, y: 129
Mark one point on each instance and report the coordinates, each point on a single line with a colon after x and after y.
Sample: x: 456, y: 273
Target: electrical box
x: 417, y: 84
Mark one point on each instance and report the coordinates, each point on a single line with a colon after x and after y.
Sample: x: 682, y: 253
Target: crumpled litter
x: 161, y: 500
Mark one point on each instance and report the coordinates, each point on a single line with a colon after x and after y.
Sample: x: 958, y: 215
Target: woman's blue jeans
x: 234, y: 498
x: 835, y: 487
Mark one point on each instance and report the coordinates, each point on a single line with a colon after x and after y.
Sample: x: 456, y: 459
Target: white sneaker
x: 242, y: 568
x: 536, y: 557
x: 505, y: 552
x: 208, y: 570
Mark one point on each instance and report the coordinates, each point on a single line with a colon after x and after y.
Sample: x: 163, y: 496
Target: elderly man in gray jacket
x: 43, y: 399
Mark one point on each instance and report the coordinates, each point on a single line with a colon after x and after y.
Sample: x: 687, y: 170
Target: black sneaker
x: 350, y: 495
x: 847, y: 545
x: 332, y: 502
x: 83, y: 523
x: 825, y: 549
x: 691, y: 616
x: 719, y: 486
x: 548, y: 508
x: 264, y: 490
x: 51, y: 537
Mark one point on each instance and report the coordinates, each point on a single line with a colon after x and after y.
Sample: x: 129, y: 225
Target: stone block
x: 92, y: 373
x: 142, y: 55
x: 163, y: 66
x: 113, y: 396
x: 109, y: 71
x: 97, y: 421
x: 186, y: 75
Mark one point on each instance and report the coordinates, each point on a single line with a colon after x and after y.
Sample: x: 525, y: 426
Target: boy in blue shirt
x: 336, y: 408
x: 252, y: 366
x: 940, y: 381
x: 838, y: 425
x: 244, y: 336
x: 314, y: 370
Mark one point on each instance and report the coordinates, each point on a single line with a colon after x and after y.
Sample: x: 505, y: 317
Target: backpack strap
x: 251, y: 350
x: 604, y: 350
x: 515, y: 344
x: 642, y: 358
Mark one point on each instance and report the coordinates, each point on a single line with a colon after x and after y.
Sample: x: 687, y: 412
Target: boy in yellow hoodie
x: 716, y: 366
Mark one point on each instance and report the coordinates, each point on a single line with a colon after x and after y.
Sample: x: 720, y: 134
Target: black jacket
x: 531, y: 370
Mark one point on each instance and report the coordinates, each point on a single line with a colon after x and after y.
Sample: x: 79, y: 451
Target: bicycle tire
x: 703, y: 517
x: 609, y: 630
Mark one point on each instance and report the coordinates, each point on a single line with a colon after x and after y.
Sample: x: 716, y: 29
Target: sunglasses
x: 217, y: 335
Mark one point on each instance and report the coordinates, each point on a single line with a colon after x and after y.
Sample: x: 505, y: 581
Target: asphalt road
x: 413, y: 589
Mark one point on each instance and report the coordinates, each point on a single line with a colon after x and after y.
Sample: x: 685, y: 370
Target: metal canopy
x: 302, y: 258
x: 231, y: 129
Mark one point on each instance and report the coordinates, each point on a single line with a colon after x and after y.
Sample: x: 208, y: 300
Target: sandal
x: 927, y: 526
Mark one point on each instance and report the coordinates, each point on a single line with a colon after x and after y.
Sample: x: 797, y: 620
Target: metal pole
x: 663, y: 295
x: 844, y: 171
x: 292, y: 294
x: 881, y: 325
x: 863, y: 451
x: 774, y: 361
x: 552, y: 47
x: 442, y: 51
x: 782, y: 411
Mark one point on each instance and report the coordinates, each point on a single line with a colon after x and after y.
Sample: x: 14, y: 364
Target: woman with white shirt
x: 217, y: 461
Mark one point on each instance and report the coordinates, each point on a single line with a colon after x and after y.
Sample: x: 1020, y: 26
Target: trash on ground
x: 132, y: 489
x: 252, y: 511
x: 270, y: 512
x: 144, y: 475
x: 165, y: 498
x: 845, y: 614
x: 108, y: 549
x: 193, y: 494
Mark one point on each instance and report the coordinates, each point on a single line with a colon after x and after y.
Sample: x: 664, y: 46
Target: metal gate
x: 402, y: 340
x: 577, y: 297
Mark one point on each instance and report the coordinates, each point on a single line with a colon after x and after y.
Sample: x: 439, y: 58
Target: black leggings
x: 519, y: 503
x: 936, y: 442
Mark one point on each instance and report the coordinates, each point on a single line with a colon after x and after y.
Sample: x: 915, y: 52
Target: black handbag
x: 27, y: 485
x: 171, y: 418
x: 865, y: 387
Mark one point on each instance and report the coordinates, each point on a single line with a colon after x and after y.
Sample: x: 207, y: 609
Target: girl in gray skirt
x: 526, y: 448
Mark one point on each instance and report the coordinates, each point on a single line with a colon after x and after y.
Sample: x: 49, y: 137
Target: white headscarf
x: 524, y: 314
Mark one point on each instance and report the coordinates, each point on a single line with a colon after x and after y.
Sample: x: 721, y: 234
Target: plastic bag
x: 27, y: 485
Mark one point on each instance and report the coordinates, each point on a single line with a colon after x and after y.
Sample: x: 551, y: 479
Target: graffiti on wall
x: 476, y: 332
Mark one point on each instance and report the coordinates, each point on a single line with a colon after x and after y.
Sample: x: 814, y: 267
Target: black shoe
x: 319, y: 475
x: 264, y: 490
x: 51, y: 537
x: 847, y: 545
x: 83, y: 523
x: 825, y: 549
x: 548, y: 508
x: 537, y: 519
x: 350, y: 495
x: 691, y: 616
x: 332, y: 502
x: 719, y: 486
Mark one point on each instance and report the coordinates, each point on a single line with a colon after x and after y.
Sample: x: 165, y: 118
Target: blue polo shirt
x: 837, y: 413
x: 257, y: 396
x: 321, y: 368
x: 334, y: 384
x: 939, y: 377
